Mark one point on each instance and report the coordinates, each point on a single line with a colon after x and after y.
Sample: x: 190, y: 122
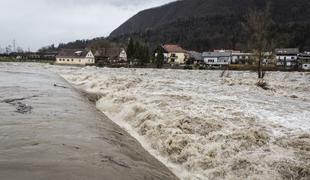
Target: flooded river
x: 49, y: 131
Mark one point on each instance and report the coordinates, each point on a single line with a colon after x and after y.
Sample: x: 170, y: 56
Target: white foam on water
x: 203, y: 126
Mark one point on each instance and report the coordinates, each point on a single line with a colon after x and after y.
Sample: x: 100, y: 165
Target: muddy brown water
x: 48, y: 130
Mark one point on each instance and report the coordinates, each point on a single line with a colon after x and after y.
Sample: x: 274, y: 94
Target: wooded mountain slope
x: 213, y: 24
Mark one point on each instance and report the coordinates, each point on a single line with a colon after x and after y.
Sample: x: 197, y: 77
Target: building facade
x: 75, y: 57
x: 174, y: 54
x: 216, y: 59
x: 242, y: 58
x: 195, y: 57
x: 287, y: 58
x: 110, y: 56
x: 304, y: 60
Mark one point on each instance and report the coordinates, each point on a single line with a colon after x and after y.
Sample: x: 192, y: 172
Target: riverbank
x: 49, y: 131
x: 15, y: 60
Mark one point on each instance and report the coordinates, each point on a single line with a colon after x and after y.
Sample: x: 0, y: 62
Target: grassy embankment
x: 13, y: 59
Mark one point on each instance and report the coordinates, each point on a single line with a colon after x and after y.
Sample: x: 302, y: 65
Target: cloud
x: 35, y: 23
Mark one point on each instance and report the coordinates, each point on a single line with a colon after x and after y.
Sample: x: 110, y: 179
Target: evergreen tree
x: 130, y: 49
x: 138, y: 52
x: 146, y: 57
x: 160, y: 57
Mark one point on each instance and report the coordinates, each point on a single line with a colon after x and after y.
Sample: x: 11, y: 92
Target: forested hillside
x: 82, y: 44
x: 213, y: 24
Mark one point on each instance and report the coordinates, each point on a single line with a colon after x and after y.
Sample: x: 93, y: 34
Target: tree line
x: 137, y: 52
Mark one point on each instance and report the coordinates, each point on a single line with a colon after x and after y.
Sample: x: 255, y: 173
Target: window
x: 68, y: 60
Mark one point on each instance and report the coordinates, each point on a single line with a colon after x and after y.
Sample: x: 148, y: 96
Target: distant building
x: 195, y: 57
x: 49, y: 55
x: 304, y: 60
x: 106, y: 56
x: 217, y: 59
x: 33, y: 56
x: 75, y: 57
x: 242, y: 58
x: 287, y: 58
x: 175, y: 54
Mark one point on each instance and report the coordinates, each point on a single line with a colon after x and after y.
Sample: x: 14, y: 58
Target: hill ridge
x: 206, y: 24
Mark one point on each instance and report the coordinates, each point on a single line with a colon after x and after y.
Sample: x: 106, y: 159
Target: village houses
x: 108, y: 56
x: 217, y: 59
x: 75, y: 57
x: 174, y: 54
x: 195, y: 57
x: 304, y: 60
x: 238, y: 57
x: 287, y: 58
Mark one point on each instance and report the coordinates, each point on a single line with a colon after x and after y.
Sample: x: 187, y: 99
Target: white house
x: 75, y: 57
x: 242, y: 58
x: 287, y: 58
x: 217, y: 59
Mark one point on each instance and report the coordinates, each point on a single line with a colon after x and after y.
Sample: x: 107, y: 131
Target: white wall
x: 288, y: 58
x: 306, y: 66
x: 179, y: 57
x: 217, y: 60
x: 75, y: 61
x: 123, y: 55
x: 210, y: 60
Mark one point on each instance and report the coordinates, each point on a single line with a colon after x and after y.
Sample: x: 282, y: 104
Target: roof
x: 72, y: 53
x: 216, y: 54
x: 287, y: 51
x: 242, y: 54
x: 226, y: 50
x: 305, y: 55
x: 196, y: 55
x: 173, y: 48
x: 109, y: 52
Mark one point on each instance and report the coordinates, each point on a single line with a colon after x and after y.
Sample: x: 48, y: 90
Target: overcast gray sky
x: 36, y: 23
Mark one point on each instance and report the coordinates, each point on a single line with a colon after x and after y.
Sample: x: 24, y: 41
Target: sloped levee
x: 49, y: 131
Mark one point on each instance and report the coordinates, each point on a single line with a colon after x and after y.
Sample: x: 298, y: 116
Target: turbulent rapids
x: 204, y: 126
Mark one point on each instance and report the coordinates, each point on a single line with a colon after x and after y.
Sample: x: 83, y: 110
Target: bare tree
x: 257, y: 23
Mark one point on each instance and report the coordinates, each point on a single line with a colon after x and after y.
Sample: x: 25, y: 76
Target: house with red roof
x: 175, y: 54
